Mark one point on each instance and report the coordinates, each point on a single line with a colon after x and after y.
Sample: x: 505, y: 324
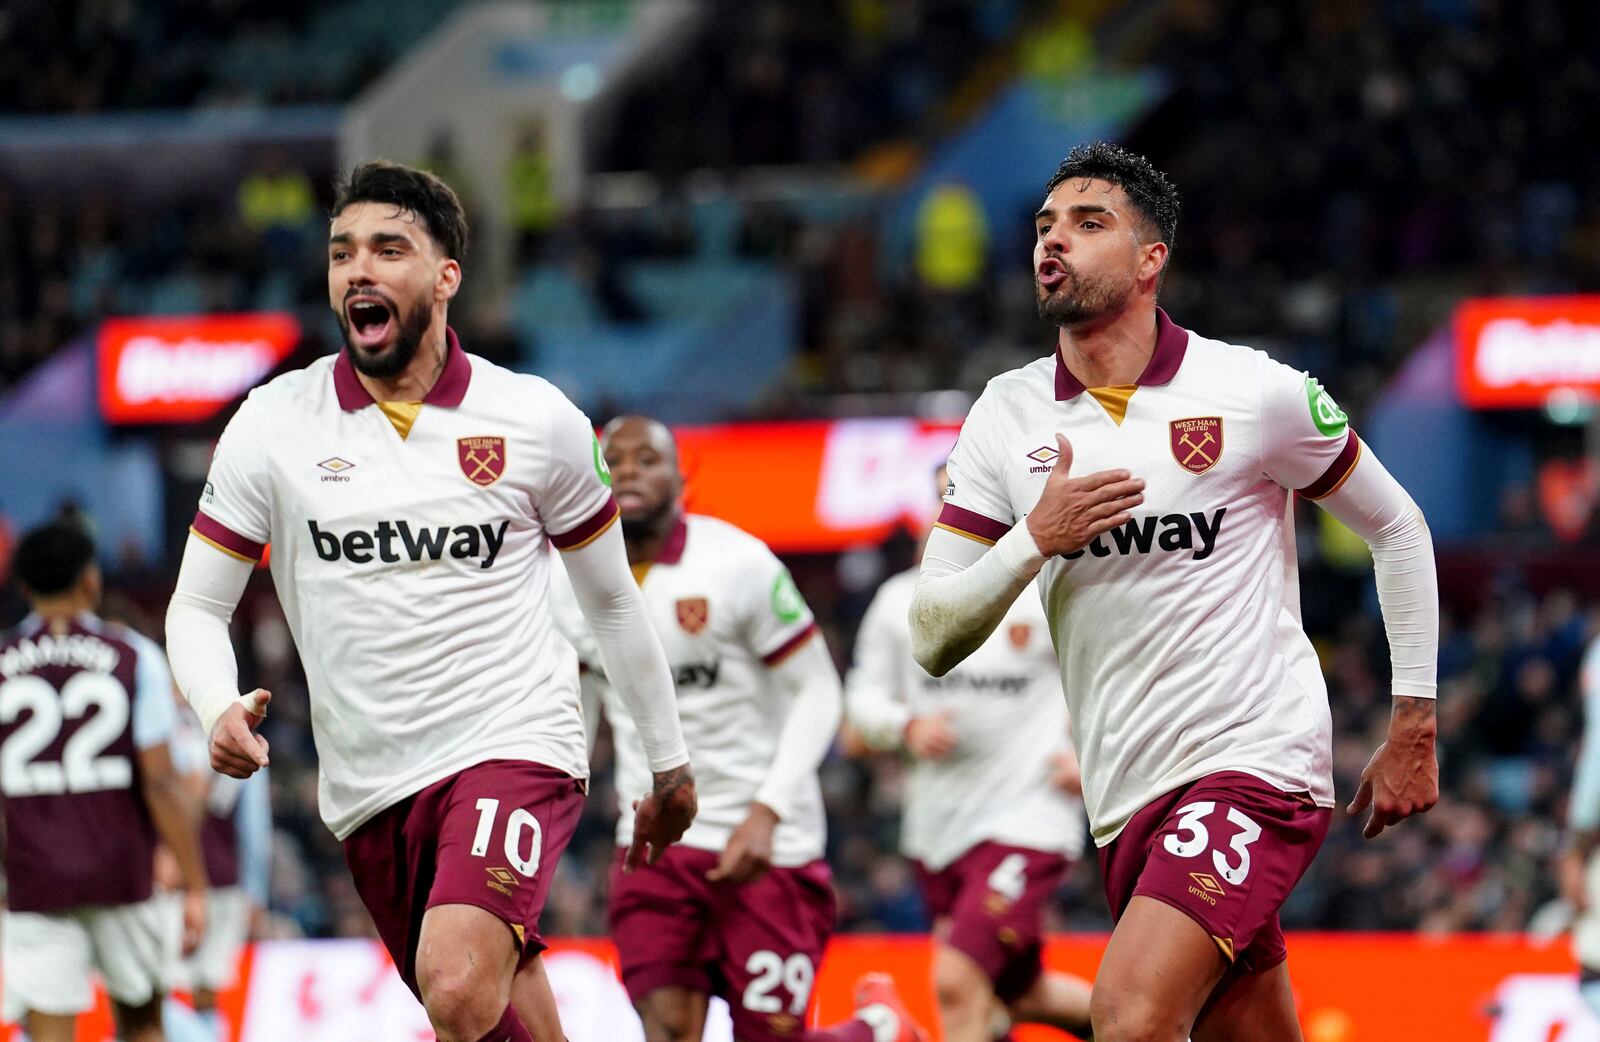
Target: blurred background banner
x: 1496, y: 988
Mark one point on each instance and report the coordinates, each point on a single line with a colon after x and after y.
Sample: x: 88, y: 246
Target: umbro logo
x: 1044, y: 457
x: 336, y: 468
x: 1205, y: 886
x: 502, y: 880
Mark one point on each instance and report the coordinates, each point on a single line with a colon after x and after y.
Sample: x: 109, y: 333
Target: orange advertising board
x: 1350, y: 987
x: 1515, y: 352
x: 820, y: 485
x: 186, y: 368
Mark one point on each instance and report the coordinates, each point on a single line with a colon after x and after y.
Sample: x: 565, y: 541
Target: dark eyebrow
x: 1083, y: 208
x: 378, y: 239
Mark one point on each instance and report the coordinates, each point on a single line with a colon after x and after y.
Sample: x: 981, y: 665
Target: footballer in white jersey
x: 411, y: 494
x: 1579, y: 865
x: 742, y: 906
x: 1168, y: 573
x: 992, y: 818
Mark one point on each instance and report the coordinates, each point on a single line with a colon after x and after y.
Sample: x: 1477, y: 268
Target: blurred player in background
x: 1579, y: 868
x: 236, y: 842
x: 410, y: 492
x: 86, y: 773
x: 1167, y: 570
x: 744, y: 906
x: 992, y: 815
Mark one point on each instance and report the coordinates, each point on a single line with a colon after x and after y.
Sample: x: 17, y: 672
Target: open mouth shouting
x: 1052, y: 273
x: 371, y: 320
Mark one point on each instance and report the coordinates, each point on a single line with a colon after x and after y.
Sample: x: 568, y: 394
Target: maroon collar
x: 671, y: 551
x: 447, y: 391
x: 1171, y: 342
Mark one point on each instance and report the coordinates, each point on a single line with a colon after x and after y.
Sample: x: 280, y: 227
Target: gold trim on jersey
x: 402, y: 414
x: 1114, y: 400
x: 1337, y: 485
x: 602, y: 530
x: 640, y: 570
x: 1226, y: 944
x: 231, y: 553
x: 969, y: 535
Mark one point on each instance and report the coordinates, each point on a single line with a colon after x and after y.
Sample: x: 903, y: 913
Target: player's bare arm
x: 1072, y: 511
x: 661, y: 818
x: 748, y: 854
x: 1402, y: 778
x: 176, y: 817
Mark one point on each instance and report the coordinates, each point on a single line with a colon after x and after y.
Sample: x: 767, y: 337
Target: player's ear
x: 1153, y: 258
x: 448, y: 282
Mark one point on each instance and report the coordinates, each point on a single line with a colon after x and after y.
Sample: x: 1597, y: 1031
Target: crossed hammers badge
x: 1197, y: 442
x: 482, y: 459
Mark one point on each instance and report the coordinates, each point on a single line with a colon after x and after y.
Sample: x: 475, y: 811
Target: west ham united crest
x: 1197, y: 443
x: 693, y: 614
x: 1019, y: 633
x: 483, y: 460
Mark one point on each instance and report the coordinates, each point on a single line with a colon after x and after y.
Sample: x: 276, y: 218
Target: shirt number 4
x: 1192, y: 838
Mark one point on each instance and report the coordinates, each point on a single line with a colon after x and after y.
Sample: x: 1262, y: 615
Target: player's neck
x: 414, y: 382
x: 59, y: 612
x: 644, y: 547
x: 1113, y: 351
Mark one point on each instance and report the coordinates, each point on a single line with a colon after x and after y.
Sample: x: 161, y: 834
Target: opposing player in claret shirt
x: 1143, y: 476
x: 744, y: 906
x: 411, y: 493
x: 992, y: 816
x: 86, y: 777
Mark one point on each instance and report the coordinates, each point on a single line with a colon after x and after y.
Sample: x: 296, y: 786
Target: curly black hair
x: 1147, y: 188
x: 407, y: 188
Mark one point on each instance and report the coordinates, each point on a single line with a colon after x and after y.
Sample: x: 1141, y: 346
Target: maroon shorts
x: 994, y: 897
x: 755, y: 944
x: 1225, y: 850
x: 489, y: 836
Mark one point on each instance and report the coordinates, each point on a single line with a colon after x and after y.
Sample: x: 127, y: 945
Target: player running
x: 743, y: 906
x: 86, y: 774
x: 1578, y: 867
x: 410, y: 492
x: 992, y: 816
x: 1168, y: 574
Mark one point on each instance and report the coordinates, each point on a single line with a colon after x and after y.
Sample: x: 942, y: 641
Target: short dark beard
x: 648, y: 525
x: 413, y: 325
x: 1076, y: 301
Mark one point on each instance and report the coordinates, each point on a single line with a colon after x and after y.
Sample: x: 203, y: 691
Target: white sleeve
x: 1374, y: 506
x: 809, y: 729
x: 155, y: 712
x: 574, y: 497
x: 978, y: 558
x: 1306, y: 441
x: 963, y: 592
x: 628, y: 647
x: 1583, y: 808
x: 876, y: 701
x: 777, y: 620
x: 210, y: 583
x: 235, y: 514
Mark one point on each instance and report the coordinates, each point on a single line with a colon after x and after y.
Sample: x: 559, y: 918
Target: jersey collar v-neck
x: 1171, y: 343
x: 447, y: 391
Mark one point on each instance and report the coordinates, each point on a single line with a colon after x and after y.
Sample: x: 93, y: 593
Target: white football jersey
x: 726, y: 611
x: 1009, y: 718
x: 412, y: 569
x: 1179, y: 633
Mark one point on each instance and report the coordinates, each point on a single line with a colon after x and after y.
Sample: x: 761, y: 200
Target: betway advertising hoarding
x: 1516, y: 352
x: 184, y: 369
x: 1349, y: 988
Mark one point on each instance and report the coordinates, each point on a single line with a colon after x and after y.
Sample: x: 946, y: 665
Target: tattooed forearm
x: 1413, y: 714
x: 670, y: 781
